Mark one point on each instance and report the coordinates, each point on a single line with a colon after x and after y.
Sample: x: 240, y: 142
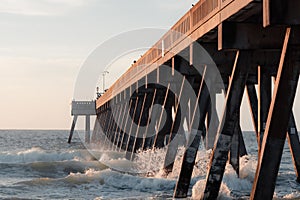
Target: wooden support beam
x: 165, y: 119
x: 277, y: 123
x: 110, y: 130
x: 156, y: 138
x: 130, y: 137
x: 212, y: 126
x: 264, y: 100
x: 96, y: 130
x: 294, y: 144
x: 242, y: 149
x: 238, y: 148
x: 139, y: 115
x: 177, y: 128
x: 101, y: 120
x: 249, y: 36
x: 72, y: 128
x: 134, y: 123
x: 141, y: 126
x: 155, y: 111
x: 146, y: 138
x: 229, y: 119
x: 105, y: 118
x: 124, y: 128
x: 128, y: 125
x: 87, y: 129
x: 281, y: 12
x: 105, y: 124
x: 117, y: 129
x: 234, y: 154
x: 253, y: 103
x: 121, y: 127
x: 195, y: 132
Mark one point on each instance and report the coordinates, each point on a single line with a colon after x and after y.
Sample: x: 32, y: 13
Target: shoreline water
x: 41, y: 165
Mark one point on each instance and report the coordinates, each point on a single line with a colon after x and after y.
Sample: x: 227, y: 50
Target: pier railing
x: 200, y: 19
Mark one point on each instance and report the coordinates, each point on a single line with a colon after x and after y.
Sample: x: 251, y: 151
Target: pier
x: 228, y: 47
x: 86, y: 109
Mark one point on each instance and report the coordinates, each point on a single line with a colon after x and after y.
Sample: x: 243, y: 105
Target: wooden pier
x: 82, y: 108
x: 249, y: 43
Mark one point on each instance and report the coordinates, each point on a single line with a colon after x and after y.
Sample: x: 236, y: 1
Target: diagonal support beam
x: 294, y: 144
x: 175, y: 129
x: 130, y: 137
x: 277, y: 123
x: 238, y: 148
x: 195, y: 132
x: 72, y: 128
x: 139, y: 115
x: 234, y: 154
x: 157, y: 139
x: 229, y: 119
x: 116, y: 137
x: 123, y: 142
x: 147, y: 139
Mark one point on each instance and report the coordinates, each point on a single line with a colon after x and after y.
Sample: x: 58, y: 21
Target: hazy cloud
x: 39, y: 7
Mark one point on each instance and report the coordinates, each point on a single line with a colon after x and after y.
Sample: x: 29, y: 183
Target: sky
x: 44, y: 44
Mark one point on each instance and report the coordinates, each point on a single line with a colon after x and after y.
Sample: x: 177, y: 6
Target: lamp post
x: 103, y: 74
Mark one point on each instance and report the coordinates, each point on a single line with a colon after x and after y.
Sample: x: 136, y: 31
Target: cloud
x: 39, y: 7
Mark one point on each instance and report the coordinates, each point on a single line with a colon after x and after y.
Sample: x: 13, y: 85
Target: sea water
x: 42, y: 165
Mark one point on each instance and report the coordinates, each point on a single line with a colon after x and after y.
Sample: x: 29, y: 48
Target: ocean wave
x: 232, y: 186
x: 105, y: 177
x: 37, y: 154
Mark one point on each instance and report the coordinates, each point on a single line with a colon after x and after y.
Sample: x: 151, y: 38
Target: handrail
x: 201, y: 12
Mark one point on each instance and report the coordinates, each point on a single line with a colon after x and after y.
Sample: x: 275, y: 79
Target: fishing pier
x: 228, y: 47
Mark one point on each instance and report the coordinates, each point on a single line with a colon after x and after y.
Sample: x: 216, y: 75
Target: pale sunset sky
x: 43, y: 44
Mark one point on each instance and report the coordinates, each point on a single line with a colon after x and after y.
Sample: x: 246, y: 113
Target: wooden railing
x: 200, y: 13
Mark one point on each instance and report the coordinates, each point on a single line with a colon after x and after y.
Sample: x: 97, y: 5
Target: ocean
x: 40, y: 164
